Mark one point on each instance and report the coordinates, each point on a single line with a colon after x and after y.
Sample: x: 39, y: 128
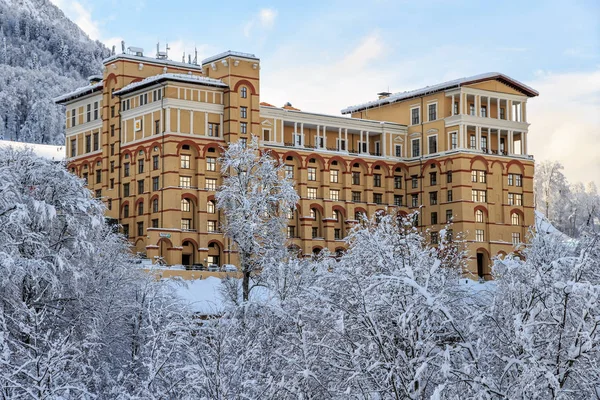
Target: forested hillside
x: 42, y: 54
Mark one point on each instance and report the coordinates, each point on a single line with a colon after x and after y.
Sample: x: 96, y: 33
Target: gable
x: 495, y: 86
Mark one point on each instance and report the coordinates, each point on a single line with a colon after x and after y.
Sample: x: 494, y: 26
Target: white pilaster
x: 317, y: 141
x: 478, y: 138
x: 339, y: 145
x: 191, y: 121
x: 498, y: 109
x: 509, y: 110
x: 282, y: 131
x: 325, y: 136
x: 524, y: 142
x: 205, y: 124
x: 346, y: 137
x: 221, y: 126
x: 452, y: 105
x: 499, y: 134
x: 383, y: 144
x: 168, y: 120
x: 510, y: 143
x: 178, y: 120
x: 367, y: 139
x: 489, y: 107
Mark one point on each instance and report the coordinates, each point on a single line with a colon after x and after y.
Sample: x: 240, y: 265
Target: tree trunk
x: 246, y: 285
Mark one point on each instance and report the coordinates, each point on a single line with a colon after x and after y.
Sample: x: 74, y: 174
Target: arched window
x: 336, y: 215
x: 141, y: 208
x: 515, y: 219
x: 155, y: 205
x: 210, y: 207
x: 313, y: 213
x: 244, y: 92
x: 125, y: 211
x: 478, y: 216
x: 185, y: 205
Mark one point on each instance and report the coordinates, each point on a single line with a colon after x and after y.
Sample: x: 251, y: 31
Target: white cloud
x: 263, y: 20
x: 565, y: 123
x: 81, y: 15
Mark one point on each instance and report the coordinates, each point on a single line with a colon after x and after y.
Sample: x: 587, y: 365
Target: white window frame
x: 263, y: 134
x: 437, y: 144
x: 433, y: 103
x: 377, y: 146
x: 411, y: 113
x: 450, y: 140
x: 411, y: 147
x: 314, y: 174
x: 396, y: 150
x: 295, y: 137
x: 331, y: 194
x: 342, y: 142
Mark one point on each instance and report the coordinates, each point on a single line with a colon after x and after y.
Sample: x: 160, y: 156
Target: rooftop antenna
x: 113, y: 50
x: 183, y: 57
x: 167, y: 50
x: 158, y: 49
x: 195, y: 55
x: 123, y: 46
x: 189, y: 58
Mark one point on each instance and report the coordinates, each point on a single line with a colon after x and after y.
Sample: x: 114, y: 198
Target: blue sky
x: 322, y: 56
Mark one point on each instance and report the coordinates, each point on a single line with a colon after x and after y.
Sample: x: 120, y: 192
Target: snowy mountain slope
x: 42, y: 54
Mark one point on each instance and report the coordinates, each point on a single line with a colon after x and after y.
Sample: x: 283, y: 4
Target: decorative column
x: 498, y: 110
x: 452, y: 111
x: 317, y: 141
x: 499, y: 134
x: 489, y: 108
x: 384, y: 146
x: 461, y: 143
x: 191, y: 122
x: 360, y: 143
x: 509, y: 110
x: 477, y: 138
x: 282, y: 131
x: 339, y: 144
x: 367, y: 134
x: 325, y: 137
x: 178, y: 120
x: 302, y: 140
x: 346, y: 138
x: 510, y: 143
x: 524, y: 142
x: 476, y: 102
x: 220, y: 124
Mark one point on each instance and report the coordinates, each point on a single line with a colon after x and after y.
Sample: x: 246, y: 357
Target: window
x: 341, y: 144
x: 243, y: 142
x: 126, y: 211
x: 511, y: 180
x: 312, y: 193
x: 453, y: 140
x: 414, y: 116
x: 291, y: 231
x: 313, y: 213
x: 478, y: 216
x: 377, y: 180
x: 518, y: 180
x: 140, y: 184
x: 336, y: 215
x: 109, y: 204
x: 88, y: 115
x: 73, y: 147
x: 448, y: 216
x: 155, y: 184
x: 126, y: 169
x: 502, y: 115
x: 398, y: 200
x: 434, y: 237
x: 456, y: 108
x: 185, y: 161
x: 397, y: 182
x: 514, y: 219
x: 213, y: 130
x: 125, y: 189
x: 356, y: 197
x: 479, y: 196
x: 244, y: 92
x: 211, y: 226
x: 73, y: 117
x: 432, y: 178
x: 85, y: 178
x: 210, y: 207
x: 211, y: 164
x: 355, y: 178
x: 432, y: 144
x: 478, y: 176
x: 155, y: 205
x: 334, y: 194
x: 516, y: 238
x: 141, y: 208
x: 479, y: 235
x: 211, y: 184
x: 377, y: 198
x: 449, y: 235
x: 266, y: 135
x: 433, y: 198
x: 472, y: 142
x: 112, y: 149
x: 154, y: 162
x: 155, y: 223
x: 243, y: 112
x: 337, y: 234
x: 312, y: 174
x: 416, y: 147
x: 243, y: 127
x: 471, y: 109
x: 483, y: 111
x: 185, y: 181
x: 449, y: 177
x: 432, y: 108
x: 141, y: 166
x: 140, y: 229
x: 98, y: 176
x: 414, y: 200
x: 518, y: 199
x: 143, y: 99
x: 125, y: 105
x: 112, y: 183
x: 315, y: 232
x: 333, y: 176
x: 96, y: 141
x: 434, y: 219
x: 98, y: 193
x: 358, y: 215
x: 157, y: 94
x: 398, y: 150
x: 157, y: 126
x: 126, y: 230
x: 88, y: 143
x: 484, y: 144
x: 414, y: 181
x: 449, y: 196
x: 186, y: 224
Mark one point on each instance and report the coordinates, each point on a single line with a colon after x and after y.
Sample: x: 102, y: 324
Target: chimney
x: 383, y: 95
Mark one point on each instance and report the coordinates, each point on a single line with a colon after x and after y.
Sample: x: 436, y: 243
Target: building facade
x: 148, y: 133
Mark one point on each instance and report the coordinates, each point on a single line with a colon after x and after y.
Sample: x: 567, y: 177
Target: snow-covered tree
x: 255, y: 198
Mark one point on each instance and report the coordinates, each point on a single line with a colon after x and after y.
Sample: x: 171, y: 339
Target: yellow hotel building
x: 147, y: 135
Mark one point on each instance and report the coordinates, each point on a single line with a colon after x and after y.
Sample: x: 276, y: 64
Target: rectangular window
x: 98, y: 193
x: 397, y: 182
x: 85, y: 178
x: 155, y: 205
x: 432, y: 112
x: 112, y: 149
x: 337, y: 234
x: 334, y: 176
x: 211, y: 184
x: 434, y: 219
x: 482, y: 176
x: 414, y: 116
x: 377, y: 198
x: 511, y: 180
x: 341, y: 144
x: 157, y: 127
x: 377, y: 180
x: 125, y: 230
x: 141, y: 208
x: 126, y: 169
x: 334, y: 194
x: 140, y: 229
x: 243, y: 112
x: 432, y: 178
x: 112, y: 111
x: 479, y: 235
x: 432, y: 144
x: 414, y: 200
x: 516, y: 238
x: 502, y: 115
x: 356, y: 197
x: 518, y: 199
x: 289, y: 171
x: 355, y: 178
x: 186, y: 224
x: 312, y: 193
x: 109, y: 204
x: 155, y: 162
x: 484, y: 144
x: 96, y: 141
x: 453, y: 140
x: 416, y: 147
x: 474, y: 176
x: 312, y: 174
x: 98, y: 176
x: 73, y: 147
x: 433, y: 198
x: 88, y: 114
x: 155, y: 223
x: 414, y: 181
x: 456, y: 108
x: 126, y: 190
x: 185, y: 181
x: 434, y: 237
x: 185, y: 161
x: 291, y: 232
x: 73, y: 117
x: 111, y: 184
x: 210, y: 207
x: 155, y: 184
x: 472, y: 142
x: 243, y: 127
x: 211, y: 164
x: 514, y: 218
x: 126, y: 211
x: 398, y: 200
x: 211, y: 226
x: 511, y: 199
x: 518, y: 180
x: 140, y: 184
x: 266, y: 135
x: 448, y: 216
x: 483, y: 111
x: 213, y: 130
x: 449, y: 195
x: 449, y: 177
x: 96, y: 113
x: 398, y: 150
x: 88, y: 143
x: 315, y: 232
x: 479, y: 196
x: 141, y: 166
x: 472, y: 109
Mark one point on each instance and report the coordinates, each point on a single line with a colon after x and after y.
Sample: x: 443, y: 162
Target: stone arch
x: 362, y: 163
x: 211, y: 145
x: 188, y: 142
x: 482, y: 208
x: 318, y: 207
x: 215, y: 252
x: 339, y: 159
x: 340, y: 209
x: 140, y: 245
x: 517, y: 163
x: 483, y: 262
x: 383, y: 166
x: 483, y: 160
x: 244, y: 82
x: 126, y: 152
x: 428, y: 163
x: 137, y: 150
x: 111, y: 77
x: 316, y: 157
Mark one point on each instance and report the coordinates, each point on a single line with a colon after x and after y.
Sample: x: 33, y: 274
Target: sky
x: 322, y: 56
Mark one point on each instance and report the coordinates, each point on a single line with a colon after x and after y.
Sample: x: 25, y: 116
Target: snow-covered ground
x: 53, y: 153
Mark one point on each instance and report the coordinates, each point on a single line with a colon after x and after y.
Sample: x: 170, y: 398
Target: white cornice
x: 464, y: 119
x: 194, y: 105
x: 139, y: 111
x: 88, y: 126
x: 487, y: 93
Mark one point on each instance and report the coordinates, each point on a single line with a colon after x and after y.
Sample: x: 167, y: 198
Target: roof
x: 230, y: 53
x: 443, y: 86
x: 144, y: 59
x: 50, y: 152
x: 202, y: 80
x: 79, y: 92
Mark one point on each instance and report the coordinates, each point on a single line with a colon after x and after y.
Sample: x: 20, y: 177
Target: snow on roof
x: 151, y: 60
x: 50, y: 152
x: 82, y: 91
x: 229, y: 53
x: 436, y: 88
x: 171, y: 77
